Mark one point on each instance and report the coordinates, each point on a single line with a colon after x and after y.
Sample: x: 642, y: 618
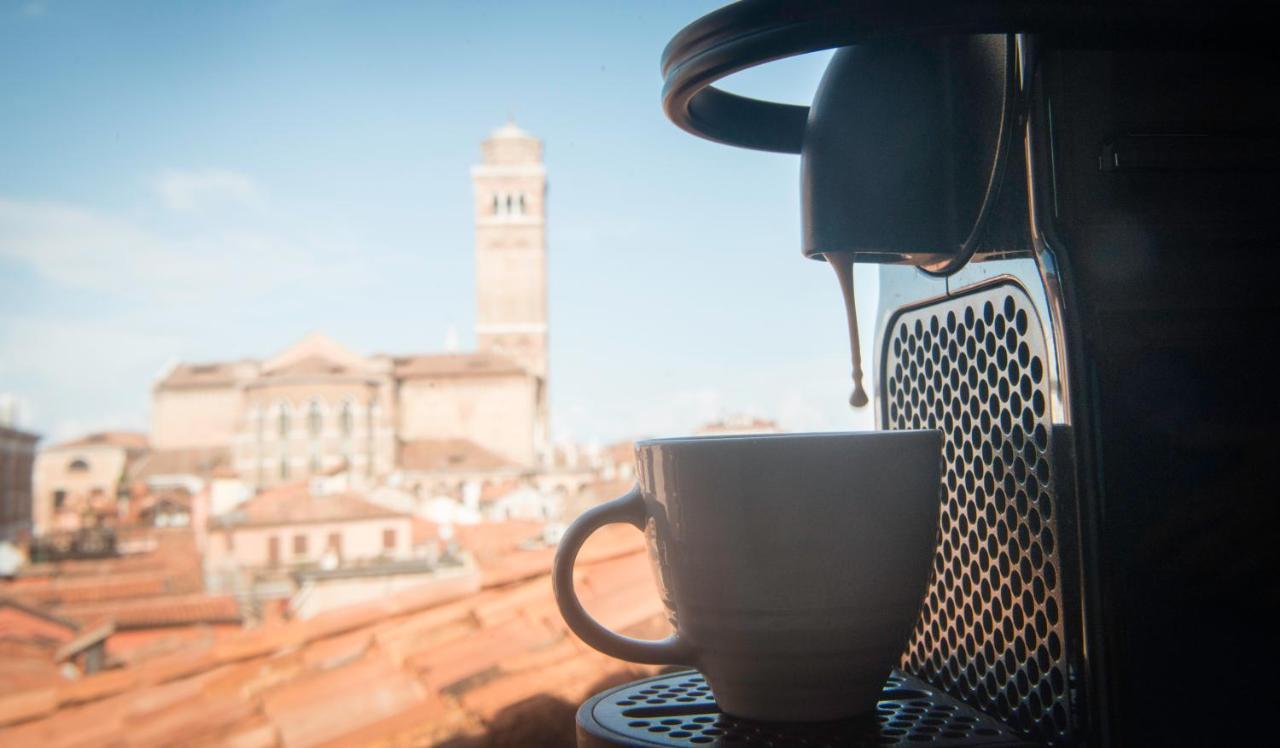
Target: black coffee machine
x: 1071, y: 207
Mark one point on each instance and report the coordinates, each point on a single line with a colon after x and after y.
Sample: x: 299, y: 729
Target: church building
x: 317, y: 407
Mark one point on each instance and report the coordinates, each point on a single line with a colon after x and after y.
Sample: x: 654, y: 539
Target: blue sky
x: 202, y: 181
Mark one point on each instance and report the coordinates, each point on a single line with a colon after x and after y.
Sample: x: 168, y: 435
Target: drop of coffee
x: 842, y: 263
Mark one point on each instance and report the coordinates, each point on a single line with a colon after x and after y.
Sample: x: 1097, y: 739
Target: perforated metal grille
x: 991, y: 630
x: 679, y: 710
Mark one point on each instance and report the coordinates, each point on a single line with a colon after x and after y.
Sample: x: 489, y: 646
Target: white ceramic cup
x: 792, y: 566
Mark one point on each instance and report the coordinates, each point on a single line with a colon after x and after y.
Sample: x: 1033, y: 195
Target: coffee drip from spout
x: 842, y: 263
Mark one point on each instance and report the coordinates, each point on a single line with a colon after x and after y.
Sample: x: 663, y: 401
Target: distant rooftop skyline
x: 212, y: 182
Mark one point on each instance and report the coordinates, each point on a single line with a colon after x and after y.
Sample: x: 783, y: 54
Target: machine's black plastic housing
x: 905, y: 146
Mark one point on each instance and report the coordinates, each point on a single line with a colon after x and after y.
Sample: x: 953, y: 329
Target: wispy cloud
x: 157, y: 288
x: 191, y: 191
x: 85, y: 249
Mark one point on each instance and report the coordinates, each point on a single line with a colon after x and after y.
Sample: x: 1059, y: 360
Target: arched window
x: 78, y: 465
x: 282, y: 421
x: 521, y: 200
x: 496, y: 206
x: 315, y: 420
x: 346, y: 420
x: 509, y: 204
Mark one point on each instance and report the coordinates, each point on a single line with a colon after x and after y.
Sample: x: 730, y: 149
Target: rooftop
x: 438, y: 455
x: 454, y: 364
x: 130, y: 440
x: 192, y: 461
x: 295, y: 503
x: 429, y: 664
x: 211, y: 374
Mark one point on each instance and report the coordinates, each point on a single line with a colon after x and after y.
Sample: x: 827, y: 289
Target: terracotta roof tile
x: 430, y: 629
x: 321, y: 706
x: 433, y: 593
x: 255, y: 643
x: 511, y: 603
x: 258, y: 733
x: 569, y: 678
x: 203, y: 374
x: 25, y: 705
x: 518, y: 567
x: 412, y: 668
x: 203, y: 716
x: 412, y: 726
x: 96, y: 686
x: 132, y: 440
x: 454, y: 364
x: 446, y: 668
x: 177, y: 666
x: 27, y: 619
x: 446, y: 455
x: 490, y: 540
x: 337, y: 650
x: 203, y: 461
x: 424, y: 531
x: 160, y: 610
x: 60, y: 592
x: 340, y: 620
x: 310, y: 366
x: 81, y: 726
x: 250, y: 678
x: 294, y: 503
x: 624, y: 609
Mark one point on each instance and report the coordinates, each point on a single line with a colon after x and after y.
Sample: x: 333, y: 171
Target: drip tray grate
x: 678, y: 709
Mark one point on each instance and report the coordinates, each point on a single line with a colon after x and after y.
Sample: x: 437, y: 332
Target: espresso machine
x: 1070, y: 206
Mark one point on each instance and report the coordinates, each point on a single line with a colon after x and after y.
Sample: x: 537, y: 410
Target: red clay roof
x: 25, y: 619
x: 454, y: 365
x: 212, y: 374
x: 414, y: 668
x: 444, y: 455
x: 194, y: 461
x: 162, y: 610
x: 294, y: 503
x: 132, y: 440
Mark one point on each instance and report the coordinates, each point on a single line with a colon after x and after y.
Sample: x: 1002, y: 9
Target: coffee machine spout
x: 842, y: 263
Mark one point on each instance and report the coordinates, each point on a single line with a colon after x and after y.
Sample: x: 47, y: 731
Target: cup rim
x: 789, y: 436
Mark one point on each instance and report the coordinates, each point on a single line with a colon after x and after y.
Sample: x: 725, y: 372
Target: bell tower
x: 510, y: 186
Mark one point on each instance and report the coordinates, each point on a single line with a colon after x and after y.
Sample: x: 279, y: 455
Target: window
x: 521, y: 202
x: 282, y: 421
x: 335, y: 543
x: 284, y: 468
x: 299, y: 545
x: 345, y: 419
x: 59, y: 499
x: 273, y: 550
x: 315, y: 420
x: 495, y: 205
x: 314, y: 462
x: 78, y: 465
x: 389, y: 539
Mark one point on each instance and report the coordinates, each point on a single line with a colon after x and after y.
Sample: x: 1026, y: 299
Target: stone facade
x: 17, y: 456
x: 318, y: 407
x: 510, y: 190
x: 79, y: 483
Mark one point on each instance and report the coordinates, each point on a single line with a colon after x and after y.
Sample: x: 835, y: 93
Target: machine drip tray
x: 677, y: 709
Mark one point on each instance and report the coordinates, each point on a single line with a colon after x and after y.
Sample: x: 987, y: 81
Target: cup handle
x: 628, y: 509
